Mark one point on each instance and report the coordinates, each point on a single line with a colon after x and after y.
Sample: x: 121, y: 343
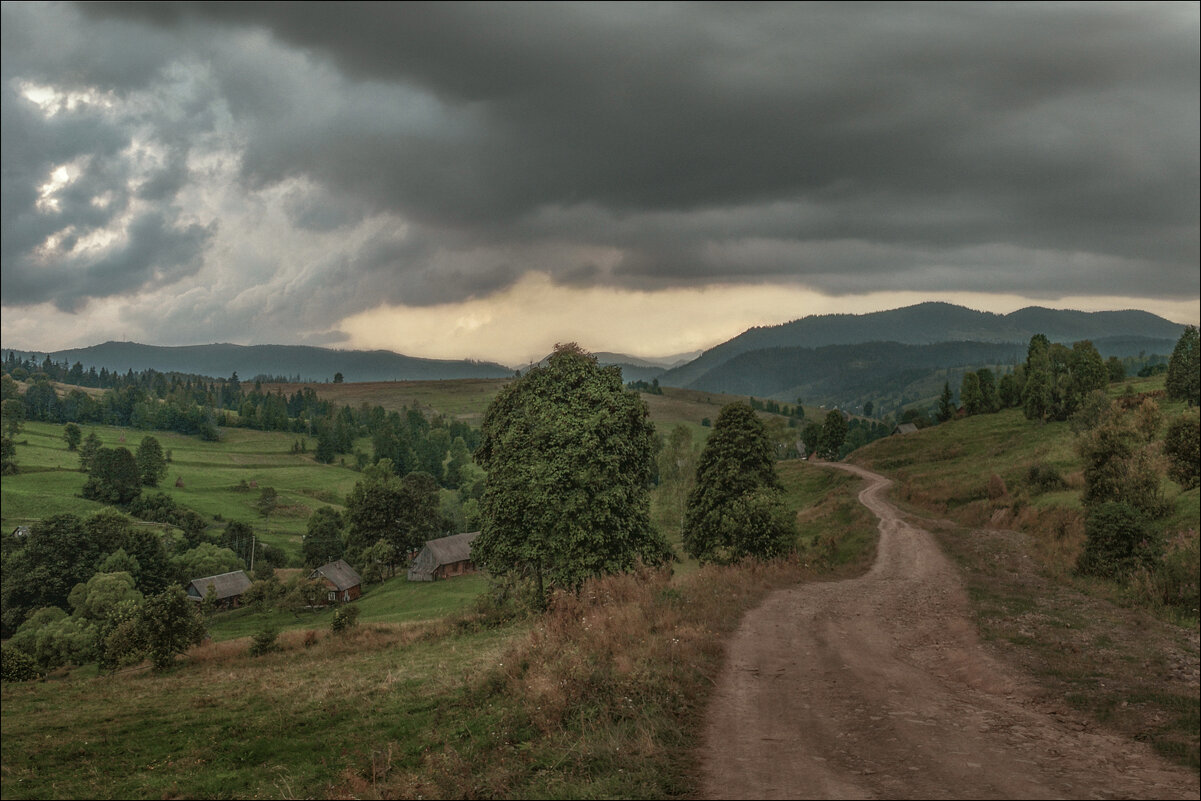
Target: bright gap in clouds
x: 522, y: 323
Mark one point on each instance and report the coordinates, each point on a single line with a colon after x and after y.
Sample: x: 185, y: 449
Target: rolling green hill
x: 441, y: 694
x: 248, y: 361
x: 1004, y: 496
x: 820, y: 353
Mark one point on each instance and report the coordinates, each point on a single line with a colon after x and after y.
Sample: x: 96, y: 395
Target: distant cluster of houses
x: 439, y: 559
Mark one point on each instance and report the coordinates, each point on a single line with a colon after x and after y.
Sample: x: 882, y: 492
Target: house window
x: 333, y: 596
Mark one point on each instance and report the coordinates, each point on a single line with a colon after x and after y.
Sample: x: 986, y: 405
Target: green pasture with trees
x: 523, y: 686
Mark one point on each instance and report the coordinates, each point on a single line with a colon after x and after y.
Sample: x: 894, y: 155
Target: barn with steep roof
x: 227, y: 588
x: 342, y: 583
x: 443, y: 558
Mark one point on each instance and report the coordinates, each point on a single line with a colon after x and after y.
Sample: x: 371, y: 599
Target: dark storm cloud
x: 46, y: 252
x: 1037, y: 149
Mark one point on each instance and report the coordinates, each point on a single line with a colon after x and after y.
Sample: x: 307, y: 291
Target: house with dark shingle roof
x: 227, y: 587
x: 342, y: 583
x: 443, y: 558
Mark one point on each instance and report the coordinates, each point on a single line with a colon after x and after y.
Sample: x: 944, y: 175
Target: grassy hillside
x: 468, y: 399
x: 211, y: 473
x: 1124, y: 651
x: 222, y: 480
x: 396, y: 600
x: 465, y: 399
x: 441, y: 692
x: 601, y: 697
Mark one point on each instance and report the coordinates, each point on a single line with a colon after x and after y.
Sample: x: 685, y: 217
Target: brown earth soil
x: 878, y: 687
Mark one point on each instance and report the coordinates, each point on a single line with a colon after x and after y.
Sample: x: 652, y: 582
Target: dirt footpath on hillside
x: 877, y: 687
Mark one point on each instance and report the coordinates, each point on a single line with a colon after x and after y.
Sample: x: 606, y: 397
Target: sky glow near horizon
x: 483, y: 181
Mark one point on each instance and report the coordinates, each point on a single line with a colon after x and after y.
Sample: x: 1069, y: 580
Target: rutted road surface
x: 877, y: 687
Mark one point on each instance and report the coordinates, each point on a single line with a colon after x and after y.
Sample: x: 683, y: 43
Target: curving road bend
x: 877, y: 687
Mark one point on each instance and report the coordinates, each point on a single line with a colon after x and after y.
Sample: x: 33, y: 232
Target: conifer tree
x: 736, y: 510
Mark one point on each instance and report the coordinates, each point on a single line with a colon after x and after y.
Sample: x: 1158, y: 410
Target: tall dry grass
x: 604, y: 695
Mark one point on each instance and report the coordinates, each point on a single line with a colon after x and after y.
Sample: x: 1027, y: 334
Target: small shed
x: 443, y: 558
x: 342, y: 583
x: 228, y: 588
x: 905, y: 428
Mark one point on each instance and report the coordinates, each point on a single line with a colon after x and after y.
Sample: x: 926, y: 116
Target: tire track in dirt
x: 877, y: 687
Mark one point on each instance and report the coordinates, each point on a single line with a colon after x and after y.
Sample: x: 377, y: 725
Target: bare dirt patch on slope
x: 879, y: 687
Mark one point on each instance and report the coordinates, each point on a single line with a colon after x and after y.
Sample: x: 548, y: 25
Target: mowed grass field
x: 210, y: 477
x: 396, y: 600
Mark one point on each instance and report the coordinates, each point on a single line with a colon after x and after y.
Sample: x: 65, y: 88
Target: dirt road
x: 878, y: 688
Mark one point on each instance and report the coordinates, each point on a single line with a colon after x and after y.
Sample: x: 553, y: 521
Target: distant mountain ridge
x: 927, y: 324
x: 633, y: 368
x: 782, y: 360
x: 308, y: 362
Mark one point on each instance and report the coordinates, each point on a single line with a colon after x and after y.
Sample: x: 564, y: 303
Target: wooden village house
x: 443, y: 558
x: 227, y: 588
x: 342, y: 583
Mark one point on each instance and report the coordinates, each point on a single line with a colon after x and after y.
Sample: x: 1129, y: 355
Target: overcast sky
x: 486, y: 180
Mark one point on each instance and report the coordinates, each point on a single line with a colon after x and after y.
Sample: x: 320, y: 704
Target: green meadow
x: 396, y: 600
x: 1113, y: 649
x: 220, y: 480
x: 437, y: 692
x: 441, y: 692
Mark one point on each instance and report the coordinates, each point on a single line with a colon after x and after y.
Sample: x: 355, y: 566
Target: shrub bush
x: 264, y: 642
x: 1182, y: 446
x: 16, y: 665
x: 345, y: 618
x: 1042, y: 477
x: 1117, y: 540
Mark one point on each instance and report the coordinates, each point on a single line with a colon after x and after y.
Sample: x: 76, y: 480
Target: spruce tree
x: 736, y: 510
x: 1184, y: 368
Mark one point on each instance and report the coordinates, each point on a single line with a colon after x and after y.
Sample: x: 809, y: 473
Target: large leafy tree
x: 970, y: 394
x: 834, y: 433
x: 323, y: 540
x: 570, y: 454
x: 114, y: 477
x: 13, y: 413
x: 152, y: 464
x: 736, y: 509
x: 206, y: 559
x: 989, y: 395
x: 169, y: 624
x: 102, y: 593
x: 1036, y: 394
x: 1184, y: 368
x: 87, y: 451
x: 57, y: 554
x: 946, y: 403
x: 1086, y: 372
x: 404, y: 512
x: 8, y: 457
x: 72, y: 435
x: 1182, y: 446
